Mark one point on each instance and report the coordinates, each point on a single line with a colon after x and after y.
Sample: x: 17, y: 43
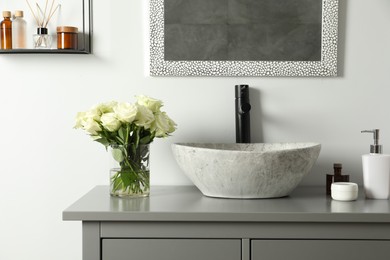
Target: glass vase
x: 42, y: 40
x: 129, y: 176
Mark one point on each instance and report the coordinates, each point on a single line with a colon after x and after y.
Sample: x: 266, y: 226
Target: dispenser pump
x: 376, y: 147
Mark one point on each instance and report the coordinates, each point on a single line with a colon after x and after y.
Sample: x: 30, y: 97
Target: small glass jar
x: 42, y: 40
x: 67, y: 37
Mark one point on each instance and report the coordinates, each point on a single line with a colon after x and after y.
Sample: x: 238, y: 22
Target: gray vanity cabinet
x: 171, y: 249
x: 179, y: 223
x: 320, y: 249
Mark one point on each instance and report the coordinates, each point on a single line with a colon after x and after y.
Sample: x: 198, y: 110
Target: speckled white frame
x: 324, y: 68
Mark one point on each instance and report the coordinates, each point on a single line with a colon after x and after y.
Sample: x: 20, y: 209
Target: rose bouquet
x: 127, y: 130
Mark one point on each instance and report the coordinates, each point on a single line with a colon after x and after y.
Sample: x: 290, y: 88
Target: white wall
x: 45, y: 165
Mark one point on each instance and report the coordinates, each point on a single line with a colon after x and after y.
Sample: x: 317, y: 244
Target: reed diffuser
x: 42, y: 39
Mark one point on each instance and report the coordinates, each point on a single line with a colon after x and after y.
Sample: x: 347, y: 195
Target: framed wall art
x: 243, y: 37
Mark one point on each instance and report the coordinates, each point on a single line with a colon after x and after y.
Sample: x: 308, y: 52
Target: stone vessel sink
x: 246, y: 171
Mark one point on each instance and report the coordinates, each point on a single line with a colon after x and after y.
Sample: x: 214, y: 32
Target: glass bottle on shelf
x: 6, y: 31
x: 19, y: 31
x: 42, y: 40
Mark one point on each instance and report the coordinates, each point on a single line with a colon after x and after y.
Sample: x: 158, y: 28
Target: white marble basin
x: 246, y: 171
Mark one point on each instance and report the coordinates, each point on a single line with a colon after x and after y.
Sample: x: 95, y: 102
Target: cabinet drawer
x: 320, y: 249
x: 171, y: 249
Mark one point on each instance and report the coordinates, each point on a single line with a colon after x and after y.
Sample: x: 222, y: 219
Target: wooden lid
x: 18, y: 13
x: 6, y: 14
x: 67, y: 29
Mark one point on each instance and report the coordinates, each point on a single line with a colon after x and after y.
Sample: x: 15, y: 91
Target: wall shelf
x: 84, y: 36
x: 43, y: 51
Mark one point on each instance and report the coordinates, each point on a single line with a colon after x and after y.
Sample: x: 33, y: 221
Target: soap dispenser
x: 376, y: 170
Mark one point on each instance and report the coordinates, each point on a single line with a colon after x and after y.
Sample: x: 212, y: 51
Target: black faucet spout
x: 243, y: 107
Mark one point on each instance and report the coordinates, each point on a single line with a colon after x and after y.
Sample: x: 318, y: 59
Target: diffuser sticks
x: 41, y: 17
x: 42, y: 40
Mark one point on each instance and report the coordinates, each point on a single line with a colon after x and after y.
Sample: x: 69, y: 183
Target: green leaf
x: 117, y: 155
x: 146, y: 139
x: 127, y: 178
x: 103, y: 141
x: 122, y: 133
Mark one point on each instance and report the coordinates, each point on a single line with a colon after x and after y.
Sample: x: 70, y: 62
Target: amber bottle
x: 335, y: 177
x: 6, y: 31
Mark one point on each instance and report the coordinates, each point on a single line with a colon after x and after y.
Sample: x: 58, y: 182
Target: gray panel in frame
x: 320, y: 249
x: 266, y: 30
x: 171, y: 249
x: 300, y: 50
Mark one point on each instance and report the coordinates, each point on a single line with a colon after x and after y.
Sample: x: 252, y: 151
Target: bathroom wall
x: 45, y: 165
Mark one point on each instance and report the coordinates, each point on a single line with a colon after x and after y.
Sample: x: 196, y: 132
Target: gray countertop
x: 186, y: 203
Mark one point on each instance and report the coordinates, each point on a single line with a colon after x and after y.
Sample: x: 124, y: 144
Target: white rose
x: 94, y: 113
x: 172, y: 124
x: 125, y: 112
x: 153, y: 104
x: 91, y: 126
x: 144, y: 117
x: 107, y: 107
x: 161, y: 125
x: 110, y: 122
x: 80, y: 120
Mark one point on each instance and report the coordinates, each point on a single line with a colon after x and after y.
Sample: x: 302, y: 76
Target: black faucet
x: 243, y: 122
